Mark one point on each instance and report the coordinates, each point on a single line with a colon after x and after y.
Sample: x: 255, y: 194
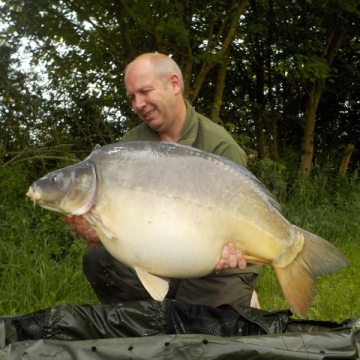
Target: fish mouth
x: 36, y: 198
x: 33, y: 195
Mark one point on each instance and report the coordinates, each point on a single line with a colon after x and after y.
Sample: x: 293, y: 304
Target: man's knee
x: 93, y: 260
x: 111, y: 280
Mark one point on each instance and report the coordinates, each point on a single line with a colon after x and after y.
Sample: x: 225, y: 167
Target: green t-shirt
x: 203, y: 134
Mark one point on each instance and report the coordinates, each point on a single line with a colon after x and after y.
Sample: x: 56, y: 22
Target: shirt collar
x: 189, y: 131
x: 191, y: 126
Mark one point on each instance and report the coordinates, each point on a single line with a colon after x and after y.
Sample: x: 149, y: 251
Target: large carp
x: 167, y: 210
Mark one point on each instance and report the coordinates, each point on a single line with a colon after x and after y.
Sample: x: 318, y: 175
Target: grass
x: 336, y: 299
x: 41, y: 265
x: 41, y: 258
x: 333, y: 215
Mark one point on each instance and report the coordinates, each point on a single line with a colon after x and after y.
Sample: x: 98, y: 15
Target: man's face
x: 152, y: 98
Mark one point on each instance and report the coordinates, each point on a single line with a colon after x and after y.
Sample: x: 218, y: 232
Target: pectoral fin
x: 157, y: 287
x: 97, y: 224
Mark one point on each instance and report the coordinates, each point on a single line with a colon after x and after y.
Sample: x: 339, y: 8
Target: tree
x: 286, y: 58
x: 84, y: 47
x: 262, y: 67
x: 333, y: 29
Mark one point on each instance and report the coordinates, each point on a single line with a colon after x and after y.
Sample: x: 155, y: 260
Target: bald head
x: 155, y: 87
x: 163, y: 66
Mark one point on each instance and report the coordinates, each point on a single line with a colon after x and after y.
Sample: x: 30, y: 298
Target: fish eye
x: 54, y: 178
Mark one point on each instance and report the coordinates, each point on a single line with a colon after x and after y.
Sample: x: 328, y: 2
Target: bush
x: 41, y: 258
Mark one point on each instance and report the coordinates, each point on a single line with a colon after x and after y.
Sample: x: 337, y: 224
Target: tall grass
x: 40, y: 264
x: 328, y: 208
x: 41, y: 258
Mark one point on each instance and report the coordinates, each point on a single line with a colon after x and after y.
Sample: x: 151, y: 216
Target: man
x: 154, y: 85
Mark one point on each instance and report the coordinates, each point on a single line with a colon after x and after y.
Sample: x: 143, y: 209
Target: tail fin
x: 297, y: 280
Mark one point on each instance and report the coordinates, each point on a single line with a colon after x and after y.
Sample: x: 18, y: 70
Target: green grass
x: 41, y: 258
x: 41, y: 265
x: 330, y: 211
x: 337, y: 295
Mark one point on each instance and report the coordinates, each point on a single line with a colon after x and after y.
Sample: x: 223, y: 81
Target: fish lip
x: 33, y: 195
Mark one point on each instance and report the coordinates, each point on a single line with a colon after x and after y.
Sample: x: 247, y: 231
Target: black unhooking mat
x: 170, y: 330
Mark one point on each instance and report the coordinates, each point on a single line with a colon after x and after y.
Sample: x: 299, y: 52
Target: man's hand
x: 83, y: 229
x: 230, y: 258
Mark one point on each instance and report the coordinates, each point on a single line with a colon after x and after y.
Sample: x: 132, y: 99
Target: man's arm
x: 83, y: 229
x: 230, y: 256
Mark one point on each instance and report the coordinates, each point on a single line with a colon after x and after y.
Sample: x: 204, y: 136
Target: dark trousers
x: 114, y: 282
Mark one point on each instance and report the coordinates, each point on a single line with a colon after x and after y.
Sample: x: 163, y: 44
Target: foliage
x: 280, y: 60
x: 328, y: 208
x: 42, y: 258
x: 39, y: 255
x: 287, y: 64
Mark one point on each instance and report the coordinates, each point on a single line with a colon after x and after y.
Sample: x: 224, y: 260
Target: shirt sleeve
x: 232, y: 151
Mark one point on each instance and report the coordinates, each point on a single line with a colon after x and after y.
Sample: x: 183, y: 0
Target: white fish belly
x: 165, y: 236
x: 172, y: 237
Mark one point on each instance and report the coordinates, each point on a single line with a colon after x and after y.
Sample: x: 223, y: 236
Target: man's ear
x: 175, y: 83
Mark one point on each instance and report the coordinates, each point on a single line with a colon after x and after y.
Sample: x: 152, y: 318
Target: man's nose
x: 139, y: 102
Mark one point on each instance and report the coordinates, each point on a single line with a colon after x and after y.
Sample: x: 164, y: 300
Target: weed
x: 41, y: 258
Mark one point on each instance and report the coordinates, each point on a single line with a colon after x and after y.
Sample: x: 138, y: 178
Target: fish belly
x: 173, y: 237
